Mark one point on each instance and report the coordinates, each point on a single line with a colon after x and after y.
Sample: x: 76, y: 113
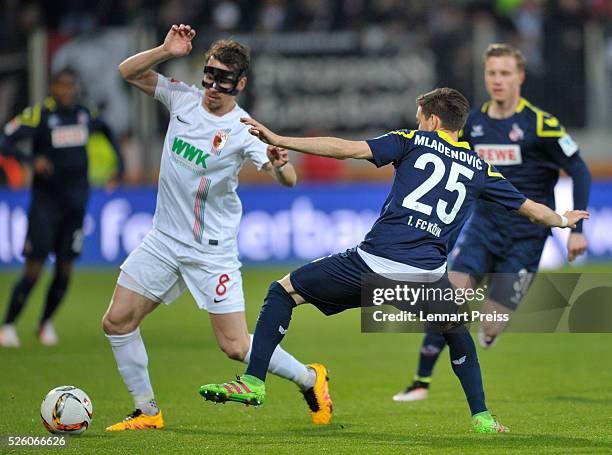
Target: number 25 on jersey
x: 411, y: 201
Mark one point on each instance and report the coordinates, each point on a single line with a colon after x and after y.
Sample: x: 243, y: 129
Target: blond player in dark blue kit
x: 437, y: 181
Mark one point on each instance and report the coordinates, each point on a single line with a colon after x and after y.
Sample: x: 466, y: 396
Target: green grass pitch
x: 553, y: 390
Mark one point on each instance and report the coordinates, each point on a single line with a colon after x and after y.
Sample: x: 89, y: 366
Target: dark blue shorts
x: 52, y: 227
x: 334, y: 284
x: 509, y: 264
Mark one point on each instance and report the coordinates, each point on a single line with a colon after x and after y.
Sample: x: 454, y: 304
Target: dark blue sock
x: 55, y: 295
x: 433, y: 344
x: 20, y: 294
x: 464, y: 361
x: 270, y: 330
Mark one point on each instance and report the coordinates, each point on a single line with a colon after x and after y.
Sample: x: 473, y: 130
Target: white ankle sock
x: 286, y: 366
x: 132, y: 361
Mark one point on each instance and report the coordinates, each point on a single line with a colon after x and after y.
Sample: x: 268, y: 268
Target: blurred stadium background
x: 346, y: 67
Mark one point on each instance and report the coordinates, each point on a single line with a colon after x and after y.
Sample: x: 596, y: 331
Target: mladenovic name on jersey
x: 189, y: 153
x: 467, y: 156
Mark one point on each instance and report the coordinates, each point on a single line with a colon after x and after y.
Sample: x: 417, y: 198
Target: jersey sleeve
x: 23, y: 126
x: 171, y: 92
x: 554, y: 139
x: 256, y: 151
x: 564, y: 152
x: 390, y: 147
x: 497, y: 189
x: 559, y: 145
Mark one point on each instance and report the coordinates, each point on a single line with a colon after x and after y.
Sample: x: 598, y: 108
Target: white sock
x: 286, y: 366
x: 132, y: 361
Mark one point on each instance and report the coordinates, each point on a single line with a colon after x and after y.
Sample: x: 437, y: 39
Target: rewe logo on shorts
x: 190, y: 152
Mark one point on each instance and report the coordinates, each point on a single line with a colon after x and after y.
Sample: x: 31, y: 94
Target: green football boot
x: 245, y: 389
x: 484, y: 422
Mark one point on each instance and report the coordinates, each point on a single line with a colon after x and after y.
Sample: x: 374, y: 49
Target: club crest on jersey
x: 219, y: 140
x: 516, y: 133
x: 477, y: 131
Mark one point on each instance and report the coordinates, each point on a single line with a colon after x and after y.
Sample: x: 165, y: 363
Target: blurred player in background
x: 437, y: 181
x: 529, y: 146
x: 193, y: 244
x: 59, y: 129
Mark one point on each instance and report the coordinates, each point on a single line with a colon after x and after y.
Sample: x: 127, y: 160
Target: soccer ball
x: 66, y: 409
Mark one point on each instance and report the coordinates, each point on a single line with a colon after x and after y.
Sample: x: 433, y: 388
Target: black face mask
x: 221, y: 80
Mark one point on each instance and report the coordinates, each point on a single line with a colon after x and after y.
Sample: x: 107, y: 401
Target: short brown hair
x: 506, y: 50
x: 448, y: 104
x: 230, y: 53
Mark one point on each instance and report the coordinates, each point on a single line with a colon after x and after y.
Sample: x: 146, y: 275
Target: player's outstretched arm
x: 136, y: 69
x: 540, y: 214
x: 331, y: 147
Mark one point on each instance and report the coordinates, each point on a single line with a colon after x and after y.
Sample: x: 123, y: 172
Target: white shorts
x: 161, y: 268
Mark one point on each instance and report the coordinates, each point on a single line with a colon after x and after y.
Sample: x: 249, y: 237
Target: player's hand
x: 259, y: 130
x: 178, y: 40
x: 278, y: 156
x: 573, y: 216
x: 576, y: 245
x: 42, y: 166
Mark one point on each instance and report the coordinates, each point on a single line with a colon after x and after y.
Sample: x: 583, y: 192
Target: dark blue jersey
x: 60, y: 134
x: 437, y: 181
x: 529, y: 148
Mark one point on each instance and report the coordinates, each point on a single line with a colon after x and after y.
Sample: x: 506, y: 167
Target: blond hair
x: 506, y: 50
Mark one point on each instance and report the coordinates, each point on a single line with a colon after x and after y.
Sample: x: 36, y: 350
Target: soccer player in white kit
x: 193, y: 243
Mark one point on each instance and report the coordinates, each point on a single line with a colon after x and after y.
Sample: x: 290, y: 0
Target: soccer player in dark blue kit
x: 528, y: 146
x: 437, y: 181
x: 58, y: 129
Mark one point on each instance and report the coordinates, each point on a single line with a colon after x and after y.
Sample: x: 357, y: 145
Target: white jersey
x: 202, y: 155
